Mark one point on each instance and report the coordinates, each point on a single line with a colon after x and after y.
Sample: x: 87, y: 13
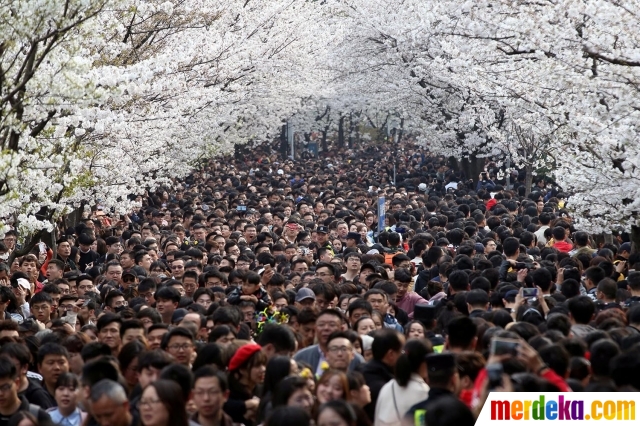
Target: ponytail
x: 411, y: 360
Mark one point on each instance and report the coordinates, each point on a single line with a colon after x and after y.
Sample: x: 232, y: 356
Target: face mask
x: 119, y: 309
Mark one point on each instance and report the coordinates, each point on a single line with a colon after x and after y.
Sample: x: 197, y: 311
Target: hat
x: 625, y: 247
x: 322, y: 230
x: 353, y: 236
x: 178, y: 315
x: 368, y: 265
x: 422, y: 187
x: 85, y: 239
x: 305, y: 293
x: 511, y: 296
x: 22, y: 282
x: 373, y: 251
x: 129, y: 272
x: 479, y: 248
x: 424, y: 313
x: 439, y: 362
x: 242, y: 355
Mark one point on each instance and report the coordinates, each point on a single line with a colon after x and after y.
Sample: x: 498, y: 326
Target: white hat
x: 422, y: 187
x: 22, y: 282
x: 373, y: 251
x: 280, y: 171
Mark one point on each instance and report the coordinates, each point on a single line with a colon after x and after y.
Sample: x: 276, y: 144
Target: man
x: 143, y: 259
x: 405, y: 299
x: 167, y: 299
x: 177, y: 269
x: 379, y: 302
x: 10, y: 402
x: 132, y: 330
x: 426, y: 314
x: 190, y: 283
x: 606, y: 294
x: 114, y: 302
x: 40, y: 306
x: 109, y: 326
x: 561, y: 242
x: 64, y: 254
x: 326, y: 272
x: 85, y: 285
x: 353, y: 239
x: 322, y: 237
x: 444, y: 383
x: 110, y: 405
x: 87, y: 257
x: 276, y: 340
x: 544, y: 219
x: 386, y: 349
x: 210, y: 392
x: 28, y: 387
x: 581, y: 313
x: 328, y: 321
x: 53, y: 360
x: 155, y: 334
x: 179, y: 343
x: 129, y: 279
x: 339, y: 351
x: 55, y: 270
x: 353, y: 262
x: 477, y: 303
x: 305, y: 298
x: 461, y: 335
x: 29, y: 266
x: 114, y: 271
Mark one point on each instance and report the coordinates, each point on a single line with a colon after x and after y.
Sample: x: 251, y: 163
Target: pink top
x: 409, y: 301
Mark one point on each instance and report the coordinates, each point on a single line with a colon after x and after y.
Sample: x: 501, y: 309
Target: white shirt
x: 395, y: 401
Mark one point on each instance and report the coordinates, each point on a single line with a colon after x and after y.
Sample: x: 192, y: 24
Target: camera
x: 523, y: 265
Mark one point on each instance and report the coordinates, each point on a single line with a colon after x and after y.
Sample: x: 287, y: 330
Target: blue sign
x: 381, y: 214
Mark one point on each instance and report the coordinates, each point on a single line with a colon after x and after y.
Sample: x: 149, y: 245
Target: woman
x: 364, y: 325
x: 128, y: 359
x: 162, y: 404
x: 337, y: 413
x: 377, y: 319
x: 66, y: 393
x: 293, y: 392
x: 332, y: 385
x: 278, y: 368
x: 223, y: 335
x: 246, y: 370
x: 359, y: 392
x: 337, y: 245
x: 289, y: 416
x: 408, y: 388
x: 414, y: 330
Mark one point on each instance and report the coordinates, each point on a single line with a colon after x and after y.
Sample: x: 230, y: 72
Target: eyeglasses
x: 40, y: 308
x: 335, y: 349
x: 6, y: 387
x: 207, y: 392
x: 148, y: 402
x: 67, y: 307
x: 177, y: 267
x: 183, y: 347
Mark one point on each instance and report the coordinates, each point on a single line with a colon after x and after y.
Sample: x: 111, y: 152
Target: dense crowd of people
x: 261, y: 291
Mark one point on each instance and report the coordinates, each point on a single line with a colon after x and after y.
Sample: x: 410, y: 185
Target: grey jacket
x: 311, y: 356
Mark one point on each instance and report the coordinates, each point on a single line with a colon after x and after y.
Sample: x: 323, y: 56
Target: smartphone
x: 504, y: 346
x: 43, y: 247
x: 241, y: 208
x: 494, y: 373
x: 529, y: 293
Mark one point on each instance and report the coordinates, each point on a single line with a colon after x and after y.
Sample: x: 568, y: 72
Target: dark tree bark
x: 341, y: 132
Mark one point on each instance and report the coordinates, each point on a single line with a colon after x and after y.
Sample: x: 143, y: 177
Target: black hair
x: 209, y: 371
x: 385, y: 340
x: 157, y: 359
x: 94, y: 350
x: 178, y: 331
x: 582, y: 308
x: 181, y: 375
x: 51, y: 349
x: 410, y: 361
x: 281, y: 337
x: 210, y: 353
x: 285, y: 415
x: 7, y: 368
x: 67, y: 380
x: 107, y: 319
x: 100, y: 369
x: 461, y: 331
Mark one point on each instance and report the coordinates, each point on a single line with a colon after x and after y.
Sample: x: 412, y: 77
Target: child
x: 251, y: 290
x: 67, y: 412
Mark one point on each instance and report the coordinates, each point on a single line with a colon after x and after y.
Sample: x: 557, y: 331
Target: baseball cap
x: 305, y: 293
x: 322, y: 230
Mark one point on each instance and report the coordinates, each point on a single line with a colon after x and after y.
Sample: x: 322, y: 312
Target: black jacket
x: 435, y: 394
x: 376, y: 374
x: 36, y: 394
x: 43, y: 417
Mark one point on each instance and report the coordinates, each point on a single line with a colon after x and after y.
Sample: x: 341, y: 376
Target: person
x: 444, y: 382
x: 386, y: 349
x: 109, y: 404
x: 408, y: 388
x: 10, y: 402
x: 128, y: 360
x: 286, y: 415
x: 29, y: 387
x: 337, y: 413
x: 53, y: 360
x: 278, y: 368
x: 327, y: 322
x: 162, y: 404
x: 340, y: 351
x: 109, y: 331
x: 179, y: 343
x: 293, y: 392
x: 210, y: 393
x: 332, y: 385
x: 67, y: 412
x: 246, y: 371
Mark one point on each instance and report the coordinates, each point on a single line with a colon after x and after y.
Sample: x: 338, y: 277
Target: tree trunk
x: 351, y: 126
x: 635, y: 239
x: 284, y: 145
x: 341, y: 132
x: 400, y: 131
x: 325, y: 148
x: 528, y: 180
x: 471, y: 166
